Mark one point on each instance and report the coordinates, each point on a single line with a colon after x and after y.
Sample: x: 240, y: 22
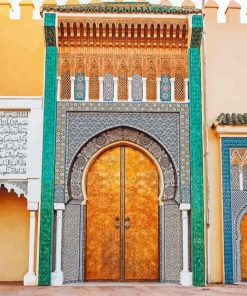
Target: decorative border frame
x: 167, y: 166
x: 182, y: 109
x: 226, y: 145
x: 48, y: 154
x: 70, y: 238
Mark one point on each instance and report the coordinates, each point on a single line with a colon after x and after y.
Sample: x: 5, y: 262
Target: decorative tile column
x: 115, y: 89
x: 101, y: 88
x: 30, y: 277
x: 129, y: 89
x: 87, y: 89
x: 48, y: 154
x: 144, y: 81
x: 72, y: 88
x: 185, y: 275
x: 172, y: 80
x: 58, y: 88
x: 186, y: 90
x: 196, y: 154
x: 57, y: 275
x: 241, y: 178
x: 158, y: 80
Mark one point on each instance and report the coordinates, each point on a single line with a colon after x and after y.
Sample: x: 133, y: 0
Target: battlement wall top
x: 232, y: 13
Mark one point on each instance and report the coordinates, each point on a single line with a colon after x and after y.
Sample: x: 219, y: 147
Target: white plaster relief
x: 13, y: 142
x: 18, y: 186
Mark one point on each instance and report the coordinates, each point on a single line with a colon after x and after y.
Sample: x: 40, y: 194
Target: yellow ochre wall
x: 14, y: 233
x: 21, y: 53
x: 226, y: 89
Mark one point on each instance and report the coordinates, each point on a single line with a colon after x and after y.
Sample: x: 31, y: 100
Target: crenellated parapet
x: 22, y: 48
x: 232, y: 14
x: 25, y: 9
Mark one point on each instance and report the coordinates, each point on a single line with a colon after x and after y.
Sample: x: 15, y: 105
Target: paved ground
x: 122, y: 290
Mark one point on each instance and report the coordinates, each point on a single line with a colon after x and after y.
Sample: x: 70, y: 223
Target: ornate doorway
x: 122, y: 233
x: 243, y: 248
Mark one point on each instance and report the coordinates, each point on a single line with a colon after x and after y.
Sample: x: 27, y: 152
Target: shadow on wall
x: 14, y: 234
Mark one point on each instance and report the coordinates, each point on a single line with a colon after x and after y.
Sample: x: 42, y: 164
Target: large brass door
x: 243, y: 248
x: 122, y: 217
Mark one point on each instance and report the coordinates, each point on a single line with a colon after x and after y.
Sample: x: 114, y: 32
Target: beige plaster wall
x: 226, y: 91
x: 21, y: 53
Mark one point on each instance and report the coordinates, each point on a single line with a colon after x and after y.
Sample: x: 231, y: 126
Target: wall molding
x: 231, y: 131
x: 21, y: 102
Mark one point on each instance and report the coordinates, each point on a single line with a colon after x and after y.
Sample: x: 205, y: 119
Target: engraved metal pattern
x: 133, y: 176
x: 141, y: 209
x: 103, y: 206
x: 170, y: 242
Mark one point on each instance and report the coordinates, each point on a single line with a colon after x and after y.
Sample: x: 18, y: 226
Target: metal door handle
x: 117, y: 222
x: 127, y: 222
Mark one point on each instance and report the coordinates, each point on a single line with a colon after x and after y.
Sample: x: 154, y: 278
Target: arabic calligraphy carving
x: 13, y: 142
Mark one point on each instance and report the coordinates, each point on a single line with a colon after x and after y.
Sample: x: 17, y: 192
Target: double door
x: 122, y: 217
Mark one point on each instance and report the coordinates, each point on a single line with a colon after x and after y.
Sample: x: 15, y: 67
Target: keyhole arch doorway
x: 243, y: 248
x: 122, y: 215
x: 126, y: 144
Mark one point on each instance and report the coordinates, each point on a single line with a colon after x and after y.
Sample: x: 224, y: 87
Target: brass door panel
x: 141, y: 210
x: 243, y: 248
x: 103, y: 207
x: 122, y: 217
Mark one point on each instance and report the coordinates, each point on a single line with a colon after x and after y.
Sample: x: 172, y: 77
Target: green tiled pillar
x: 196, y: 154
x: 48, y: 155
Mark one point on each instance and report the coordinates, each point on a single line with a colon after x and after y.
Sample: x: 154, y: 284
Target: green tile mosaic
x: 48, y: 162
x: 196, y: 154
